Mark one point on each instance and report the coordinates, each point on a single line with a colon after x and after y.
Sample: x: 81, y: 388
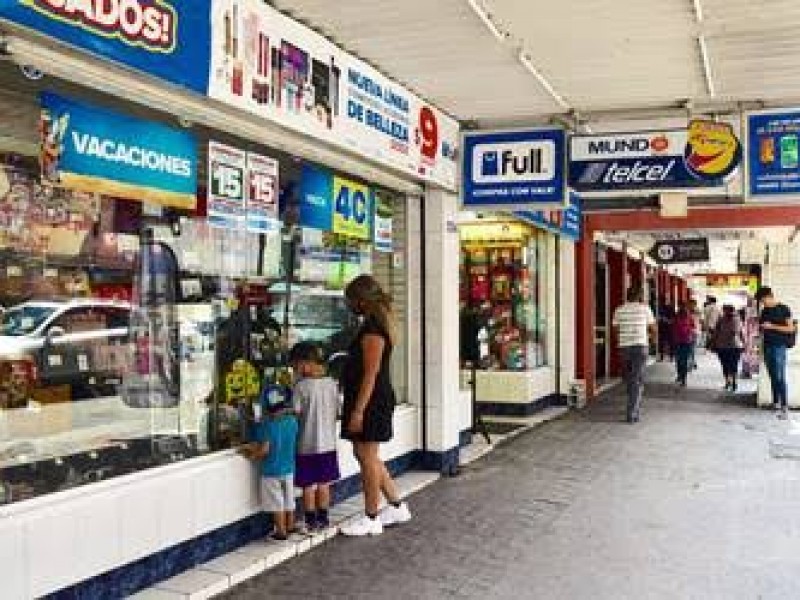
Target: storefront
x: 516, y: 306
x: 161, y: 251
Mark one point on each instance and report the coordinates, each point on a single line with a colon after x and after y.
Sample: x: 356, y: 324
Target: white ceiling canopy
x: 509, y: 62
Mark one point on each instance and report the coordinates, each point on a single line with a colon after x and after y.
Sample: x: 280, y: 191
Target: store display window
x: 134, y: 333
x: 503, y: 297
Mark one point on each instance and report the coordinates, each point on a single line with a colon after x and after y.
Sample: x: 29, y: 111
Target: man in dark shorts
x: 778, y: 331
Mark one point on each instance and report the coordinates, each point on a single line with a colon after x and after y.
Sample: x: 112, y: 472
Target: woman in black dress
x: 369, y: 402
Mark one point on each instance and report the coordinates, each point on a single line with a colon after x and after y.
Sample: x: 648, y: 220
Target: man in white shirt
x: 711, y: 314
x: 634, y: 324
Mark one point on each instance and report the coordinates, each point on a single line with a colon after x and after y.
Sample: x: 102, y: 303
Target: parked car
x: 81, y: 343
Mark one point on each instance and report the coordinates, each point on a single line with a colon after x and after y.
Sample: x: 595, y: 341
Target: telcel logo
x: 515, y: 162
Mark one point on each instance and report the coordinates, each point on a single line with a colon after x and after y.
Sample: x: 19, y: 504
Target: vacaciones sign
x: 91, y: 149
x: 168, y: 39
x: 515, y: 169
x: 703, y: 155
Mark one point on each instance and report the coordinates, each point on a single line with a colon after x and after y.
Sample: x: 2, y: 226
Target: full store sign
x: 165, y: 38
x: 269, y: 65
x: 773, y: 160
x: 515, y: 169
x: 90, y: 149
x: 703, y: 155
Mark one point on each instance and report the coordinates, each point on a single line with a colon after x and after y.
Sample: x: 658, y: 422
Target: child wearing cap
x: 316, y: 402
x: 276, y: 446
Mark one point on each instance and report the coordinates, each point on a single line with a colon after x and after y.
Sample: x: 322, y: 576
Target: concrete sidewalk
x: 690, y: 503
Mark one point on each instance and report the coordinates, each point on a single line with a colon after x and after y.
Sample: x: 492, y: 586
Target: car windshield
x: 25, y: 319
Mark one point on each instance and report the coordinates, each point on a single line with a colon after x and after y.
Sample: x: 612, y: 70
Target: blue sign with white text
x: 773, y: 158
x: 515, y: 169
x: 96, y: 150
x: 169, y: 39
x: 566, y: 223
x: 316, y: 198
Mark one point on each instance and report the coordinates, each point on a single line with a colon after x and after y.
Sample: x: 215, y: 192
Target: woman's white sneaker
x: 362, y: 527
x: 395, y: 515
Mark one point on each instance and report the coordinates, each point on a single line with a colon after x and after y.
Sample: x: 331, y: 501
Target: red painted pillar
x: 617, y: 271
x: 585, y: 308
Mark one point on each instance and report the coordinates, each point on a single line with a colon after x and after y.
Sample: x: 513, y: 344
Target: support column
x: 617, y: 266
x: 585, y: 309
x: 440, y: 405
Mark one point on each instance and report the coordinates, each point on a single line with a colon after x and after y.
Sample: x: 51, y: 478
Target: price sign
x: 262, y: 193
x: 352, y: 209
x: 226, y: 179
x: 428, y: 134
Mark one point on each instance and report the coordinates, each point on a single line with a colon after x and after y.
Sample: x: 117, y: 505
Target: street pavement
x: 692, y: 502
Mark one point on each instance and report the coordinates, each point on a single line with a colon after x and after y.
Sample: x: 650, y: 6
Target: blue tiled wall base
x: 147, y: 572
x: 520, y: 409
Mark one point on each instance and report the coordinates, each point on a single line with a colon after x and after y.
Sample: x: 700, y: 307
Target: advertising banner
x: 336, y: 204
x: 168, y: 39
x: 262, y: 193
x: 384, y: 224
x: 515, y: 169
x: 566, y: 223
x: 703, y: 155
x: 91, y: 149
x: 267, y: 64
x: 226, y: 186
x: 680, y: 251
x: 773, y: 157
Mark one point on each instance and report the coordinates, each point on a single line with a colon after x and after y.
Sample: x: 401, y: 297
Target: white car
x: 77, y: 342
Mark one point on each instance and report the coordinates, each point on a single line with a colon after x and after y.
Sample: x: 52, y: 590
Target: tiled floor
x: 217, y: 576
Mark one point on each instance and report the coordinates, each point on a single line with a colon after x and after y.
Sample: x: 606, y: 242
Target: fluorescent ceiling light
x: 487, y: 20
x: 526, y: 62
x: 706, y: 60
x: 698, y: 10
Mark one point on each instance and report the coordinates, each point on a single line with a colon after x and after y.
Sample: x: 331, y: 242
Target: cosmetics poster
x: 269, y: 65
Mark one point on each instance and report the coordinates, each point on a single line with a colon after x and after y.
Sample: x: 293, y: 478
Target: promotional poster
x: 271, y: 66
x: 164, y: 38
x: 91, y: 149
x: 773, y: 161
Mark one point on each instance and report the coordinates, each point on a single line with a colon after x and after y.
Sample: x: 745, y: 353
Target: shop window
x: 133, y: 335
x: 504, y: 295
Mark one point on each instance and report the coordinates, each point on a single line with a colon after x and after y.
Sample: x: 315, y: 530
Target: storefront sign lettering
x: 150, y: 24
x: 168, y: 39
x: 353, y: 208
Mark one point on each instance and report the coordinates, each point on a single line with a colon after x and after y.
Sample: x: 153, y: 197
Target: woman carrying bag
x: 728, y: 343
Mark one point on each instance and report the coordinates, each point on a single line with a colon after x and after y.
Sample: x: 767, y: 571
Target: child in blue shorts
x: 276, y: 446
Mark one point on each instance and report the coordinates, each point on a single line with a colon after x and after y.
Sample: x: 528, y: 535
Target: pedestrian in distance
x: 275, y: 448
x: 369, y: 402
x: 685, y: 335
x: 316, y: 403
x: 779, y: 333
x: 634, y: 325
x: 697, y: 316
x: 728, y: 340
x: 666, y: 322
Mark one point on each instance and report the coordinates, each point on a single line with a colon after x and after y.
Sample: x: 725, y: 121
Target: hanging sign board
x: 267, y: 64
x: 262, y: 193
x: 680, y: 251
x: 91, y: 149
x: 773, y: 156
x: 703, y: 155
x: 226, y: 186
x: 515, y: 169
x: 168, y: 39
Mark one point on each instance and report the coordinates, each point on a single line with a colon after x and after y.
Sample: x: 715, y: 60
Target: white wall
x: 442, y: 254
x: 56, y: 541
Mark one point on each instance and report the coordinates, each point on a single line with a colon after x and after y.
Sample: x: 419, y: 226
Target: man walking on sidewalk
x: 634, y: 324
x: 778, y: 331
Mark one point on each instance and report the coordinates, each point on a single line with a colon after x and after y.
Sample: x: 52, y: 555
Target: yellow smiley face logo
x: 713, y: 151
